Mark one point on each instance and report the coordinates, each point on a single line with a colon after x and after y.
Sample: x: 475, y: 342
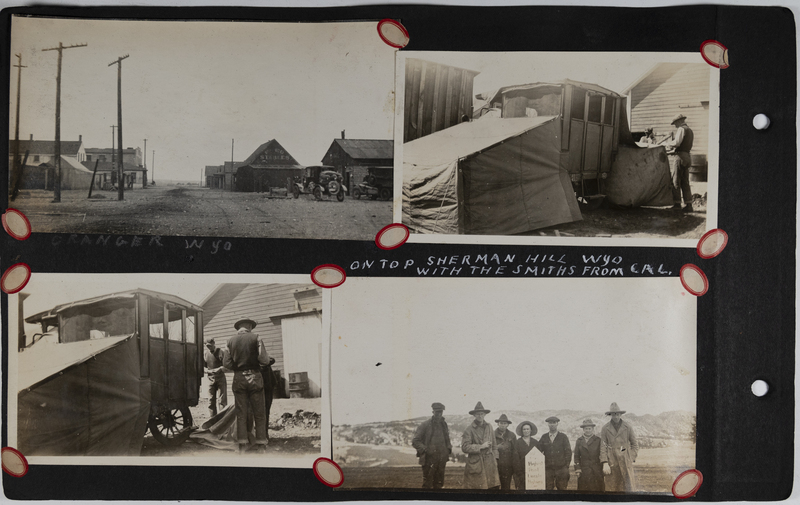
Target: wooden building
x: 73, y: 175
x: 669, y: 89
x: 43, y: 151
x: 289, y: 318
x: 437, y: 96
x: 268, y: 167
x: 106, y: 176
x: 214, y: 177
x: 351, y: 157
x: 130, y: 155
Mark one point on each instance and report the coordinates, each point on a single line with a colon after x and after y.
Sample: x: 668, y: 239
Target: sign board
x: 534, y: 470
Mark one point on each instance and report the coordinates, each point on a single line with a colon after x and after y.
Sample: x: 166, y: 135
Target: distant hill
x: 661, y: 430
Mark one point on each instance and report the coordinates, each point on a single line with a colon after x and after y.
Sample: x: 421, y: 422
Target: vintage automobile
x: 378, y: 183
x: 104, y: 370
x: 318, y: 180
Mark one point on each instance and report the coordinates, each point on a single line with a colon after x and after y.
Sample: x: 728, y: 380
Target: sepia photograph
x: 174, y: 370
x: 568, y: 145
x: 234, y: 129
x: 536, y: 385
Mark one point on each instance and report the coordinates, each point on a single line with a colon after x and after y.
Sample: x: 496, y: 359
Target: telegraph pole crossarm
x: 57, y: 181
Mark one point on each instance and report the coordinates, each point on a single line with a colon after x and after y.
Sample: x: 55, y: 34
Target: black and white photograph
x: 231, y: 129
x: 170, y: 369
x: 502, y: 147
x: 536, y: 385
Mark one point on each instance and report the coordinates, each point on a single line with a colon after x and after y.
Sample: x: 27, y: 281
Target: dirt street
x: 195, y: 211
x: 291, y: 441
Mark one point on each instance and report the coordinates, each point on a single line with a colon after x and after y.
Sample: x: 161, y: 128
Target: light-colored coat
x: 481, y: 469
x: 619, y: 448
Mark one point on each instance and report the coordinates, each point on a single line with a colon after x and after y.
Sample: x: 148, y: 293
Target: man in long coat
x: 587, y: 460
x: 618, y: 451
x: 557, y: 455
x: 478, y: 443
x: 432, y: 442
x: 506, y: 447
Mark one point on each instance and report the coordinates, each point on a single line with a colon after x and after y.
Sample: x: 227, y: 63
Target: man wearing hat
x: 478, y: 443
x: 587, y: 459
x: 245, y: 357
x: 557, y: 455
x: 432, y: 442
x: 215, y: 372
x: 506, y: 449
x: 618, y: 451
x: 680, y: 160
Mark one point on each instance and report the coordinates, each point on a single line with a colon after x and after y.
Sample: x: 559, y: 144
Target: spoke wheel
x: 167, y: 426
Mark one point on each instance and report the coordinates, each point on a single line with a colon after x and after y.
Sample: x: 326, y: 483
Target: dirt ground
x: 650, y: 479
x: 195, y: 211
x: 290, y: 441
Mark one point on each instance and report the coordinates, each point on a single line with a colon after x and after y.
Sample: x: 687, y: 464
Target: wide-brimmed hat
x: 503, y: 419
x: 677, y: 118
x: 552, y: 419
x: 587, y: 422
x: 437, y: 406
x: 523, y: 423
x: 478, y: 408
x: 244, y: 320
x: 614, y: 409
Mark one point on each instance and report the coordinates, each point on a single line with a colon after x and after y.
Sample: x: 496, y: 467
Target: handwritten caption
x: 531, y: 265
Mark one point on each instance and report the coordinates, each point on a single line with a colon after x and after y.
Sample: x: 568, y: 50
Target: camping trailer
x: 104, y: 370
x: 524, y: 161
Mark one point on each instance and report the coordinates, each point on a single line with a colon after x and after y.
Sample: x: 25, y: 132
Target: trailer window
x: 175, y: 328
x: 595, y: 108
x: 608, y: 116
x: 190, y: 335
x: 156, y: 319
x: 111, y: 318
x: 578, y: 104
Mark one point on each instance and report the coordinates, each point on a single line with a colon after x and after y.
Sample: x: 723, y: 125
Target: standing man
x: 432, y: 442
x: 618, y: 451
x: 506, y: 447
x: 245, y: 358
x: 587, y: 460
x: 215, y: 372
x: 680, y: 160
x: 478, y: 443
x: 557, y: 455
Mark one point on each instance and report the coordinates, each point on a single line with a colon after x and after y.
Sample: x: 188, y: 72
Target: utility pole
x: 120, y: 169
x: 16, y: 166
x: 144, y: 179
x: 113, y: 149
x: 223, y: 170
x: 153, y: 167
x: 57, y: 182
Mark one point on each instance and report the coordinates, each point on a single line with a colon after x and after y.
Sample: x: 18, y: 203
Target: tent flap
x: 639, y: 176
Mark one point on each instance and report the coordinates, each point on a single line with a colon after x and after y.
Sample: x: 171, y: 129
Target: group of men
x: 253, y: 382
x: 603, y: 463
x: 679, y: 147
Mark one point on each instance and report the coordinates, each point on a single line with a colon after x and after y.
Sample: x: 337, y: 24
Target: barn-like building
x: 270, y: 166
x: 289, y: 318
x: 351, y: 157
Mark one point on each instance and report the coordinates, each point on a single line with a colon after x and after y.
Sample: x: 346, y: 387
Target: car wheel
x: 371, y: 180
x: 356, y: 193
x: 334, y: 187
x: 318, y: 193
x: 169, y: 426
x: 340, y: 195
x: 386, y: 194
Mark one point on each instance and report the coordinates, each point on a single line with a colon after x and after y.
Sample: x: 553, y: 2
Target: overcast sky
x: 526, y: 344
x: 191, y: 87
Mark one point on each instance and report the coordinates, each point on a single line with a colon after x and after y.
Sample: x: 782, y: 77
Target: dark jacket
x: 557, y: 454
x: 521, y: 450
x: 587, y: 460
x: 242, y: 352
x: 506, y: 446
x: 422, y: 439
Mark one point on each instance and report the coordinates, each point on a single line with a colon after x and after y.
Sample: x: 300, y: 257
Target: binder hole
x: 760, y: 122
x: 759, y: 388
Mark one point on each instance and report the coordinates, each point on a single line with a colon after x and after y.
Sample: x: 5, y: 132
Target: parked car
x: 378, y: 183
x: 105, y: 370
x: 318, y: 180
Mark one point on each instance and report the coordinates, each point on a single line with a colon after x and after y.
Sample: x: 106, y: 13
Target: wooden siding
x: 258, y: 302
x: 436, y: 97
x: 671, y: 89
